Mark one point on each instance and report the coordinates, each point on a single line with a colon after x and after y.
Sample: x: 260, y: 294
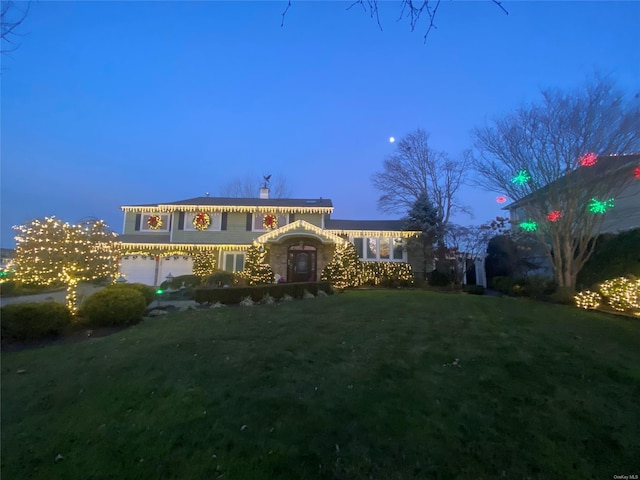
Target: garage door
x: 138, y: 268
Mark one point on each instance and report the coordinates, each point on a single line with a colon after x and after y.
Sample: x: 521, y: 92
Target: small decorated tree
x: 204, y: 264
x: 345, y: 269
x: 255, y: 270
x: 49, y: 251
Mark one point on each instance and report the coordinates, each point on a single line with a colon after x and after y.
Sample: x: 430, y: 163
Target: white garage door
x: 176, y: 265
x: 138, y: 268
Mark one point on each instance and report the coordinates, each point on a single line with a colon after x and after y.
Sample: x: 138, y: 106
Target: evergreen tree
x: 255, y: 270
x: 345, y: 268
x: 204, y: 264
x: 423, y: 216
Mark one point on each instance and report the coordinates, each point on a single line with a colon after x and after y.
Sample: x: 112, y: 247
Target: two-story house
x: 298, y: 235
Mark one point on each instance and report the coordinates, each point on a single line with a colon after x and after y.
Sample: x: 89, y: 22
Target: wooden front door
x: 301, y: 264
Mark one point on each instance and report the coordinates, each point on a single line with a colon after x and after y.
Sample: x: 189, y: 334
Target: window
x: 233, y: 261
x: 258, y: 221
x: 383, y: 249
x: 216, y: 221
x: 154, y: 222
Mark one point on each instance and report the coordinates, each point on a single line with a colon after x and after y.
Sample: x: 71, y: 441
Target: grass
x: 363, y: 385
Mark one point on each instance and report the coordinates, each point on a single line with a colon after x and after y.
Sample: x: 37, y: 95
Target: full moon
x: 392, y: 139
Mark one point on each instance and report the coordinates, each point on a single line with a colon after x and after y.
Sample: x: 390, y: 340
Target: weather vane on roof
x: 266, y: 180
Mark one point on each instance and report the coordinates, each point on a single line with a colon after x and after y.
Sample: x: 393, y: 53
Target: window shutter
x: 223, y: 221
x: 249, y: 221
x: 292, y: 217
x: 138, y: 219
x: 181, y: 221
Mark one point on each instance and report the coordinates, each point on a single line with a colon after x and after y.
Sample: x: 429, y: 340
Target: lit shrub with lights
x: 148, y: 292
x: 621, y: 294
x: 387, y: 274
x: 345, y: 268
x: 588, y: 300
x: 113, y: 307
x: 34, y: 321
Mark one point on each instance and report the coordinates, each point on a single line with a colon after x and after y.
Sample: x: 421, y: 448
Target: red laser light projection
x: 636, y: 173
x: 554, y: 215
x: 501, y: 199
x: 588, y: 159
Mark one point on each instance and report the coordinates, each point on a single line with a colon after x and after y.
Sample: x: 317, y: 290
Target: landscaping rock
x: 157, y: 313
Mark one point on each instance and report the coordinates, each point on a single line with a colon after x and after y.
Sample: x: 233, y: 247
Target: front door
x: 301, y: 264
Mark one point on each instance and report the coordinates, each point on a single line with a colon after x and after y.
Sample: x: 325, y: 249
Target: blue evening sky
x: 110, y: 103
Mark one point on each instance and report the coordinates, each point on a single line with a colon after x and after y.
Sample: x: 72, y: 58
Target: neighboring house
x: 625, y: 213
x: 298, y: 235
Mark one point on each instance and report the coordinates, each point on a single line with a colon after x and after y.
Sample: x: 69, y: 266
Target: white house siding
x: 148, y: 270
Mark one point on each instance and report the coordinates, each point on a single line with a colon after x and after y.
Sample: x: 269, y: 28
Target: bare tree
x: 249, y: 187
x: 415, y: 169
x: 413, y: 10
x: 545, y: 157
x: 11, y: 17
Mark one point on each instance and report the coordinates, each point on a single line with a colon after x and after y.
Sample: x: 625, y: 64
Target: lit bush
x: 588, y: 300
x: 621, y: 294
x: 387, y: 274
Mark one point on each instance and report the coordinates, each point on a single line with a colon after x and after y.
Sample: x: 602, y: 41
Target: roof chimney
x: 264, y: 192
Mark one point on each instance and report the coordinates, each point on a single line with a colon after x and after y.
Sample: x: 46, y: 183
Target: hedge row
x: 233, y: 295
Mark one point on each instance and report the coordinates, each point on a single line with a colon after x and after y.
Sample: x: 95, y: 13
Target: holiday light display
x: 588, y: 159
x: 636, y: 172
x: 501, y: 199
x: 529, y: 226
x: 597, y: 206
x: 588, y: 300
x: 270, y: 222
x: 256, y: 271
x: 622, y: 294
x: 554, y: 215
x: 155, y: 222
x: 345, y: 269
x: 521, y: 178
x: 201, y: 221
x: 50, y: 251
x: 203, y: 264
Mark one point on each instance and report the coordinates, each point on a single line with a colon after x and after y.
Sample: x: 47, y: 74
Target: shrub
x: 220, y: 278
x: 439, y: 279
x: 114, y: 306
x: 180, y: 281
x: 33, y: 321
x: 473, y: 289
x: 147, y: 292
x: 503, y: 284
x: 234, y: 295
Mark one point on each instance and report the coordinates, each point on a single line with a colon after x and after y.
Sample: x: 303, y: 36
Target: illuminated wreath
x: 270, y: 222
x: 201, y: 221
x: 155, y: 222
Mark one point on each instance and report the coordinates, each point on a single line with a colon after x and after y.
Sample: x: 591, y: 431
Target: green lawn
x: 361, y: 385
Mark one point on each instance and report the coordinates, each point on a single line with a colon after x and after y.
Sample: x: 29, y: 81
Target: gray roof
x: 383, y: 225
x: 248, y: 202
